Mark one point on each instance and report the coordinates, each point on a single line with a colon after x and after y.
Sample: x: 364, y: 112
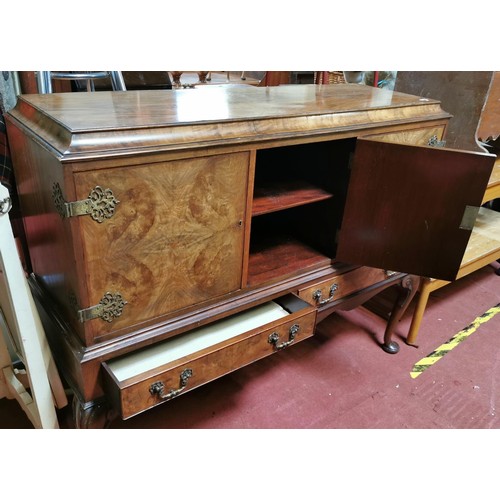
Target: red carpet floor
x: 323, y: 419
x: 341, y: 378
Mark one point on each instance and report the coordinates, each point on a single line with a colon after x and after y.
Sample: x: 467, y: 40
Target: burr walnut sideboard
x: 175, y: 236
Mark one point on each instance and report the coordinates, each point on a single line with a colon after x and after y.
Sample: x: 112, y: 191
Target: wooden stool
x: 483, y: 249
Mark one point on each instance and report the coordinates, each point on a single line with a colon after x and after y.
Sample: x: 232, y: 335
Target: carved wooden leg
x: 91, y: 415
x: 176, y: 77
x: 202, y: 76
x: 408, y: 289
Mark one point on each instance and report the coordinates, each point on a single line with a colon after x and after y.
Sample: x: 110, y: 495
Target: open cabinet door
x: 411, y: 208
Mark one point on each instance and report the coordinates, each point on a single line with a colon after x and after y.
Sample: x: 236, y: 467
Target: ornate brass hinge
x: 469, y: 218
x: 109, y: 308
x: 100, y: 204
x: 5, y: 206
x: 434, y: 141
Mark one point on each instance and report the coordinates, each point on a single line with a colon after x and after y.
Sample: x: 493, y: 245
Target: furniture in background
x: 28, y: 372
x: 473, y: 100
x: 489, y: 124
x: 44, y: 79
x: 190, y: 79
x: 177, y: 236
x: 32, y: 81
x: 134, y: 80
x: 462, y: 94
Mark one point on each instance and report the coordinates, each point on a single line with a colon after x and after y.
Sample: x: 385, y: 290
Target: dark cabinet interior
x: 298, y: 200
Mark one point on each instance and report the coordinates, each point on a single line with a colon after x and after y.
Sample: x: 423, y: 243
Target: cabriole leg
x: 91, y: 415
x: 407, y: 290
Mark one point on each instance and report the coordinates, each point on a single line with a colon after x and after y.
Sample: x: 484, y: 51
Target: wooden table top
x: 104, y: 110
x: 83, y: 123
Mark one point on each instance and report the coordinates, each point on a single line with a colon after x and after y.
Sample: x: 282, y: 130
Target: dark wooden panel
x: 489, y: 126
x: 275, y: 78
x: 462, y: 93
x: 405, y: 205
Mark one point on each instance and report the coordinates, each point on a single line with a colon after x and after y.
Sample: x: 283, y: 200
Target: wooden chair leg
x: 19, y: 313
x: 427, y: 286
x: 417, y: 317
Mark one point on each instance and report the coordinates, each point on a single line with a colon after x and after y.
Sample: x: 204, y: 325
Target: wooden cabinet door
x: 411, y: 208
x: 176, y: 238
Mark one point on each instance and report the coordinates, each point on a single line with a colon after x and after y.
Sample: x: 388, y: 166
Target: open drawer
x: 146, y: 378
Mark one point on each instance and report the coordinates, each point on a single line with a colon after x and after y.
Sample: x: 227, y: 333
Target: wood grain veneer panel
x: 418, y: 137
x: 175, y: 240
x: 116, y: 123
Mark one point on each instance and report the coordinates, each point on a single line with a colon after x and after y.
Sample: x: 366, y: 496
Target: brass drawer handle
x: 318, y: 294
x: 274, y: 338
x: 158, y: 387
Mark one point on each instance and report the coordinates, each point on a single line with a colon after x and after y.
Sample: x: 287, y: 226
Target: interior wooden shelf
x: 484, y: 243
x: 278, y: 256
x: 274, y: 196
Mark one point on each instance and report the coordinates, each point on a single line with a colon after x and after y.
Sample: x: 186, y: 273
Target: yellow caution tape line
x: 437, y: 354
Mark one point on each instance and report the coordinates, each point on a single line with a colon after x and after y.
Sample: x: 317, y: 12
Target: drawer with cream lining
x: 332, y: 289
x: 151, y: 376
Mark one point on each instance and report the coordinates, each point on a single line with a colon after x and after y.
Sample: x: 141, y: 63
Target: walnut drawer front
x: 151, y: 376
x: 424, y: 136
x: 332, y: 289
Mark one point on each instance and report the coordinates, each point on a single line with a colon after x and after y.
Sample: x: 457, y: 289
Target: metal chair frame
x: 44, y: 79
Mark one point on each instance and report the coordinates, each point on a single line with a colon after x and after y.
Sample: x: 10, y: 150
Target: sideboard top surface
x: 85, y: 123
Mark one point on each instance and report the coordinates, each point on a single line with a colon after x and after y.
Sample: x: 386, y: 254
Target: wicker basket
x: 336, y: 77
x: 329, y: 77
